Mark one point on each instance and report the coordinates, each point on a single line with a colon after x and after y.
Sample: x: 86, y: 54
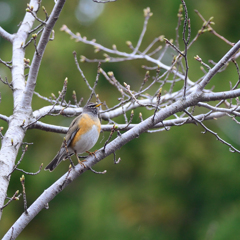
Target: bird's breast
x: 87, y: 135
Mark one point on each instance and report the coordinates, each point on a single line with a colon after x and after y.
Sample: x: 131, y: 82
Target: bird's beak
x: 99, y: 104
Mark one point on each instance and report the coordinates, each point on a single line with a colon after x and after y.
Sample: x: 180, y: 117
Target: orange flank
x: 86, y: 124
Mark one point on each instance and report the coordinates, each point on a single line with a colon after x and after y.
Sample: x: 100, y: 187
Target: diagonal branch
x: 111, y: 148
x: 231, y: 148
x: 218, y: 66
x: 32, y: 77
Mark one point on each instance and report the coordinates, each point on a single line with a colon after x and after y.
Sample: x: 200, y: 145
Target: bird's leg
x: 92, y: 153
x: 79, y: 161
x: 68, y: 155
x: 71, y: 162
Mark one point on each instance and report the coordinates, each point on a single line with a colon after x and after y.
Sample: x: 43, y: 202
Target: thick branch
x: 32, y: 77
x: 125, y: 127
x: 14, y: 135
x: 116, y: 144
x: 6, y: 35
x: 5, y: 118
x: 207, y: 97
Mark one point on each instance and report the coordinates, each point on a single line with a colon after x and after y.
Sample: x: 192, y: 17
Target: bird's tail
x: 61, y: 155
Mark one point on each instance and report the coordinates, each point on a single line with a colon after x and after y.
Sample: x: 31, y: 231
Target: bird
x: 81, y: 136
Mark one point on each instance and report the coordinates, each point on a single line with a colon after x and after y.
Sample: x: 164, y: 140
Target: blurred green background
x: 174, y: 185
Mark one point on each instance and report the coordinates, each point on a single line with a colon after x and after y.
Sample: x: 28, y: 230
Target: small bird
x: 81, y: 136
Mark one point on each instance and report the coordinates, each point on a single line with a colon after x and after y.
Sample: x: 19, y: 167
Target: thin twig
x: 96, y: 172
x: 35, y: 43
x: 99, y: 1
x: 81, y: 72
x: 6, y: 82
x: 31, y: 173
x: 155, y: 51
x: 65, y: 181
x: 158, y: 102
x: 174, y: 47
x: 212, y: 30
x: 22, y: 180
x: 151, y: 45
x: 147, y: 15
x: 231, y: 148
x: 60, y: 97
x: 238, y: 72
x: 114, y: 129
x: 186, y: 28
x: 114, y: 159
x: 34, y: 15
x: 200, y: 60
x: 95, y: 84
x: 68, y: 155
x: 36, y: 28
x: 147, y: 76
x: 130, y: 120
x: 33, y: 38
x: 14, y: 197
x: 19, y: 161
x: 5, y: 63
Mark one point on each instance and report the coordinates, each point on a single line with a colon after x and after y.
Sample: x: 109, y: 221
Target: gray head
x: 92, y: 108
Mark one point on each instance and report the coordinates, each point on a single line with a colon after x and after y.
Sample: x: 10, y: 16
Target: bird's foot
x: 92, y: 153
x: 81, y: 162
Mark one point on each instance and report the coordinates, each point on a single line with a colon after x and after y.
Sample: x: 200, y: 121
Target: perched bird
x: 81, y: 136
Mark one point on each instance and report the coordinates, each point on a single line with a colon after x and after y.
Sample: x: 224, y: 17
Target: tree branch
x: 219, y: 65
x: 110, y: 148
x: 206, y: 97
x: 5, y: 118
x: 14, y: 135
x: 32, y: 77
x: 6, y: 35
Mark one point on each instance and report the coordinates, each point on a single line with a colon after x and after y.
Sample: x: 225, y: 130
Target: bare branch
x: 5, y: 63
x: 22, y: 180
x: 60, y: 97
x: 126, y: 56
x: 6, y: 35
x: 164, y: 103
x: 82, y: 74
x: 212, y: 30
x: 219, y: 65
x: 32, y: 77
x: 35, y: 15
x: 233, y: 149
x: 14, y: 197
x: 12, y: 141
x: 95, y: 84
x: 147, y: 15
x: 186, y: 28
x: 206, y: 97
x: 107, y: 1
x: 19, y: 161
x: 30, y: 173
x: 97, y: 172
x: 6, y: 82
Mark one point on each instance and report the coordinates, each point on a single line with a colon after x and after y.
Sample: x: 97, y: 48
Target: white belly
x: 87, y: 141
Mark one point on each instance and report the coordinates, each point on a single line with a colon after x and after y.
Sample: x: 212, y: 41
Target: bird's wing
x: 73, y: 129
